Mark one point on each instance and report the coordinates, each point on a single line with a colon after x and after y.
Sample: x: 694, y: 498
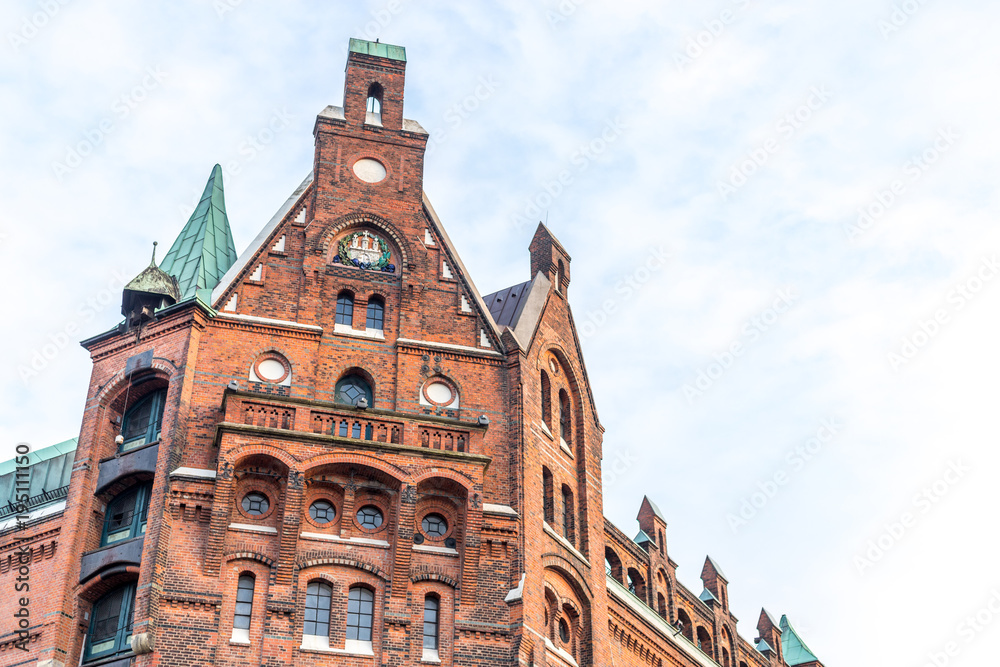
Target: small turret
x: 147, y: 292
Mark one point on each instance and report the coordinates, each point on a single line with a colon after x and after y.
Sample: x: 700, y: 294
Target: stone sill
x: 249, y: 528
x: 431, y: 549
x: 358, y: 541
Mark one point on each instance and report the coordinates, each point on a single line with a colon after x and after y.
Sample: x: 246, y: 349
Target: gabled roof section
x: 708, y: 596
x: 793, y: 648
x: 643, y: 538
x: 255, y: 246
x: 506, y: 305
x: 711, y: 567
x: 763, y: 647
x: 656, y: 510
x: 463, y: 274
x: 204, y: 250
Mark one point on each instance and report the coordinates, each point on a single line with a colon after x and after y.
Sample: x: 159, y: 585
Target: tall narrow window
x: 569, y: 529
x: 141, y: 424
x: 546, y: 401
x: 373, y: 106
x: 360, y: 610
x: 375, y: 316
x: 345, y: 309
x: 614, y: 562
x: 432, y: 608
x: 125, y: 517
x: 316, y: 629
x: 548, y: 503
x: 244, y: 609
x: 565, y: 418
x: 111, y: 624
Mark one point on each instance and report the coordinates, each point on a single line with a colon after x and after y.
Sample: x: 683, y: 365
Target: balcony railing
x: 269, y: 416
x: 34, y: 501
x: 446, y: 439
x: 346, y: 422
x: 357, y: 428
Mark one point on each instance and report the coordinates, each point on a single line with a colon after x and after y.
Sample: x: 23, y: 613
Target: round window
x: 370, y: 517
x: 322, y: 511
x: 564, y: 630
x: 271, y: 370
x: 369, y: 170
x: 435, y: 526
x: 351, y: 389
x: 255, y: 504
x: 439, y: 392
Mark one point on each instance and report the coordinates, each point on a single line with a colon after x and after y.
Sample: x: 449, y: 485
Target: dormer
x: 373, y: 85
x: 768, y: 640
x: 715, y: 582
x: 549, y: 257
x: 653, y: 524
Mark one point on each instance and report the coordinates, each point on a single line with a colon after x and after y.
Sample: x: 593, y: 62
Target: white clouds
x: 558, y: 84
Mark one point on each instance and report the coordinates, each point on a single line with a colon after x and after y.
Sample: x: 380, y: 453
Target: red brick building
x: 332, y: 449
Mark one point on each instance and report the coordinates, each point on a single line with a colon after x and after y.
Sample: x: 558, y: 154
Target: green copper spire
x: 204, y: 250
x: 795, y: 650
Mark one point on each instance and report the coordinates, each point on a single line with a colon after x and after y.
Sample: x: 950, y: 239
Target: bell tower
x: 373, y: 85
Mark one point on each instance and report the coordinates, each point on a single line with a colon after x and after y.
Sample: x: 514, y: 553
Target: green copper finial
x: 204, y: 250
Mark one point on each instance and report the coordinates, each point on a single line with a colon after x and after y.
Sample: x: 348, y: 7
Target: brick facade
x: 485, y: 422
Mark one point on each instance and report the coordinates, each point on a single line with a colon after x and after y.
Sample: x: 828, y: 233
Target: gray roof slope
x: 506, y: 305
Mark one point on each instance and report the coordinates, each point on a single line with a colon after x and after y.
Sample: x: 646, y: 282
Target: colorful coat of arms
x: 365, y: 251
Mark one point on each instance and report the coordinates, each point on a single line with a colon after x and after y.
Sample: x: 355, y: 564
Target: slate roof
x: 506, y: 305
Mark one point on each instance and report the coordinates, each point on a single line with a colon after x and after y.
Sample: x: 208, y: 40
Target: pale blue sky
x: 677, y: 118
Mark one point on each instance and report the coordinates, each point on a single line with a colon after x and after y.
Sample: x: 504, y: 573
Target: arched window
x: 685, y: 624
x: 661, y: 605
x: 432, y: 608
x: 725, y: 658
x: 244, y: 609
x: 345, y: 309
x: 141, y: 424
x: 111, y: 624
x: 704, y: 641
x: 613, y: 562
x: 316, y: 628
x: 375, y: 317
x: 546, y: 401
x: 548, y: 502
x: 373, y: 105
x: 569, y: 527
x: 636, y: 584
x: 351, y: 389
x: 360, y: 611
x: 125, y: 517
x: 565, y: 418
